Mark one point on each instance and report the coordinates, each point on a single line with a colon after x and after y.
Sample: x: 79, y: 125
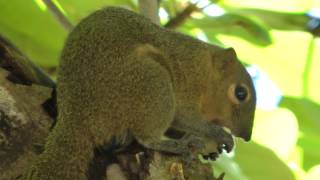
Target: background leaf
x: 307, y: 113
x: 260, y: 163
x: 291, y: 21
x: 235, y: 25
x: 33, y: 31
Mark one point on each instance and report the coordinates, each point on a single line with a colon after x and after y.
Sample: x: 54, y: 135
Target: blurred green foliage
x: 270, y: 34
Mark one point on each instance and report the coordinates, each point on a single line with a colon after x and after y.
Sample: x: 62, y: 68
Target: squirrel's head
x: 229, y: 99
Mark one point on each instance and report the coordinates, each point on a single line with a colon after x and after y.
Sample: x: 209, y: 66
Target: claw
x: 220, y: 148
x: 213, y: 156
x: 229, y: 147
x: 206, y: 157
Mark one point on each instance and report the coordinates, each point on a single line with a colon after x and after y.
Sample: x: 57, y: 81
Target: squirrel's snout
x: 245, y: 135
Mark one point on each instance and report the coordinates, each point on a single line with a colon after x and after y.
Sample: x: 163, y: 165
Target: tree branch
x: 181, y: 17
x: 24, y: 123
x: 63, y: 20
x: 22, y: 69
x: 150, y: 9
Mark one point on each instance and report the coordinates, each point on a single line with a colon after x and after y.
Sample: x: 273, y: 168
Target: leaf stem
x: 60, y: 17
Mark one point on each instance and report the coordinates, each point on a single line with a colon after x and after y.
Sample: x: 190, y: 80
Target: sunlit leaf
x: 33, y: 31
x: 307, y: 113
x: 283, y: 5
x: 291, y: 21
x: 260, y: 163
x: 235, y: 25
x: 314, y: 173
x: 281, y: 141
x: 78, y: 9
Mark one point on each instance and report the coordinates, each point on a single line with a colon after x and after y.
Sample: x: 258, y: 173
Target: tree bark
x: 24, y: 123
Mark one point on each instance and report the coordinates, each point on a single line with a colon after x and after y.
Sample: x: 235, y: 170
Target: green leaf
x: 76, y: 9
x: 258, y: 162
x: 291, y: 21
x: 307, y: 113
x: 281, y: 142
x: 235, y: 25
x: 283, y: 5
x: 34, y: 31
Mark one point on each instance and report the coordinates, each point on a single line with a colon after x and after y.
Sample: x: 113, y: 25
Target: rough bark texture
x: 23, y: 124
x: 27, y: 113
x: 138, y: 163
x: 22, y: 70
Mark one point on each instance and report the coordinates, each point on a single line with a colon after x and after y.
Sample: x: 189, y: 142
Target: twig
x: 181, y: 17
x: 22, y: 69
x: 150, y: 9
x: 66, y: 24
x: 307, y: 66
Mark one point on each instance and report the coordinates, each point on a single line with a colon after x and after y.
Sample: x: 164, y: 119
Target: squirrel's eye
x: 240, y: 93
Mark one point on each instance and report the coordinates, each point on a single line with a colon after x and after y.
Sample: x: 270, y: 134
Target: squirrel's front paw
x: 219, y: 141
x: 222, y: 139
x: 194, y: 146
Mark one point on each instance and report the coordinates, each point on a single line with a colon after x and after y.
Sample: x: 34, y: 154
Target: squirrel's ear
x: 224, y: 58
x: 230, y: 53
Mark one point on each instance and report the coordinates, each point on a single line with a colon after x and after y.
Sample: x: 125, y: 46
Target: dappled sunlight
x: 278, y: 130
x: 307, y: 113
x: 41, y: 4
x: 314, y: 173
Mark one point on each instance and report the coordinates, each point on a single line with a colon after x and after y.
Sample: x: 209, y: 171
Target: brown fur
x: 122, y: 76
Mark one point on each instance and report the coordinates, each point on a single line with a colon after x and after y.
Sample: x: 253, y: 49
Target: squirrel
x: 122, y: 78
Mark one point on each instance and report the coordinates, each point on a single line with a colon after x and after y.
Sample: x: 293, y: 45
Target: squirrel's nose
x: 245, y: 135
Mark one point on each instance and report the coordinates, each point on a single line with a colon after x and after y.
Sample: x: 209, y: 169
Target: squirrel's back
x: 99, y: 45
